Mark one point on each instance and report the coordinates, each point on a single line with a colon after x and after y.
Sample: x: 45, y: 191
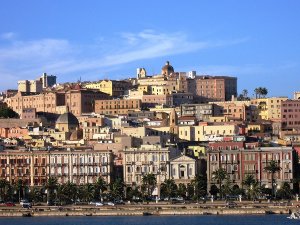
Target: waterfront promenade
x: 216, y: 208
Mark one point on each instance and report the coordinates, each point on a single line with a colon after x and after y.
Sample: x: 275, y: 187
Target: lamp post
x: 277, y: 187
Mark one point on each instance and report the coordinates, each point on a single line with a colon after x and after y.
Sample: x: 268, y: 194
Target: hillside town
x: 169, y: 135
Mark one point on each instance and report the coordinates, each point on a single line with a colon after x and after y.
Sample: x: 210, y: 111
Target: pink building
x: 290, y: 114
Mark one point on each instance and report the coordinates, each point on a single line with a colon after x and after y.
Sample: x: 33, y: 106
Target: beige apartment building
x: 206, y: 131
x: 147, y: 159
x: 117, y: 106
x: 35, y: 167
x: 239, y: 110
x: 78, y: 101
x: 81, y: 167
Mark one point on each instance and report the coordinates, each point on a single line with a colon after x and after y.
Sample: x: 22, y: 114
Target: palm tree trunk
x: 272, y: 182
x: 220, y: 187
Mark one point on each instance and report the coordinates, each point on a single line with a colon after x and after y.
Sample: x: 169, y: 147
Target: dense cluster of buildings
x: 174, y: 125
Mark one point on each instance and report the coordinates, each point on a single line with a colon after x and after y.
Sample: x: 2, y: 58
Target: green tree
x: 249, y: 180
x: 182, y: 190
x: 285, y: 191
x: 149, y: 184
x: 260, y: 92
x: 4, y: 184
x: 168, y: 188
x: 245, y: 93
x: 99, y: 187
x: 219, y: 176
x: 19, y: 188
x: 199, y: 184
x: 243, y: 96
x: 36, y: 194
x: 254, y: 190
x: 272, y: 168
x: 67, y: 193
x: 227, y: 188
x: 8, y: 113
x: 86, y: 192
x: 133, y: 193
x: 116, y: 189
x: 51, y: 187
x: 264, y: 91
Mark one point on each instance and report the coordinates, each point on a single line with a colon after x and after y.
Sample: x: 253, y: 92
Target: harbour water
x: 152, y: 220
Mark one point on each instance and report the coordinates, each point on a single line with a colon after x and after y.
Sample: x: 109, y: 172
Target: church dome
x: 67, y: 118
x: 167, y: 69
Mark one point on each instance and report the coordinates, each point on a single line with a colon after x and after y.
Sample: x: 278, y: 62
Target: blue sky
x: 254, y: 40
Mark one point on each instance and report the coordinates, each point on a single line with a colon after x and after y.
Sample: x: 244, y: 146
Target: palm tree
x: 285, y: 191
x: 219, y: 175
x: 168, y: 188
x: 254, y: 190
x: 3, y: 186
x: 117, y: 189
x: 257, y: 92
x: 68, y: 192
x: 86, y: 192
x: 36, y: 194
x: 149, y: 183
x: 99, y: 187
x: 272, y: 168
x: 260, y: 91
x: 199, y: 184
x: 245, y: 93
x: 264, y: 91
x: 227, y: 187
x: 249, y: 180
x: 51, y: 187
x: 182, y: 190
x: 19, y: 187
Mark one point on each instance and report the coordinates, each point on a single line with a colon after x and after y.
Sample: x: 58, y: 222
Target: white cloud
x: 27, y: 59
x: 8, y: 35
x: 34, y: 50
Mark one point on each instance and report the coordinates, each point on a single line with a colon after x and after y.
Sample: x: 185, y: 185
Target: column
x: 31, y: 170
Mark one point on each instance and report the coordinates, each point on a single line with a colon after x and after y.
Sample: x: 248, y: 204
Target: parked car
x: 9, y: 204
x: 98, y: 204
x: 231, y: 205
x: 25, y: 204
x: 110, y: 203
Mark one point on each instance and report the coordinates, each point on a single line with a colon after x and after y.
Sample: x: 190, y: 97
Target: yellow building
x: 206, y: 132
x: 268, y: 108
x: 197, y: 150
x: 210, y: 132
x: 111, y: 87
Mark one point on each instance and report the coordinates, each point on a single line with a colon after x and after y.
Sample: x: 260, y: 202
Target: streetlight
x: 276, y: 189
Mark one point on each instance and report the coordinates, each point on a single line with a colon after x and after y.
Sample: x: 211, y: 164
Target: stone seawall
x: 139, y: 211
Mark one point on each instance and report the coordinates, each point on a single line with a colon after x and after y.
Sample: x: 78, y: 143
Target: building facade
x: 35, y: 167
x: 216, y: 88
x: 117, y: 106
x: 242, y: 162
x: 290, y: 114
